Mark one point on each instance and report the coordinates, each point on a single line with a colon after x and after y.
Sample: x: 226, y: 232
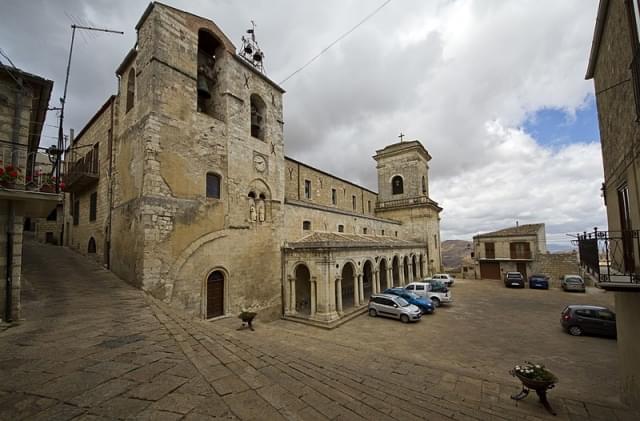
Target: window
x: 520, y: 250
x: 207, y: 78
x: 369, y: 206
x: 353, y: 202
x: 419, y: 287
x: 213, y: 185
x: 334, y: 197
x: 606, y: 315
x: 397, y: 185
x: 340, y: 228
x: 53, y: 215
x: 76, y: 212
x: 257, y: 117
x: 307, y: 189
x: 364, y: 230
x: 396, y: 233
x: 490, y: 250
x: 435, y: 240
x: 424, y: 185
x: 93, y: 206
x: 382, y: 232
x: 306, y: 225
x: 131, y: 89
x: 411, y: 287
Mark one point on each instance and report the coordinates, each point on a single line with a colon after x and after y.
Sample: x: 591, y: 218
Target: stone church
x: 179, y: 184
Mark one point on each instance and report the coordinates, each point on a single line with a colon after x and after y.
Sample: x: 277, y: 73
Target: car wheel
x: 575, y: 330
x: 373, y: 312
x: 404, y: 318
x: 436, y: 302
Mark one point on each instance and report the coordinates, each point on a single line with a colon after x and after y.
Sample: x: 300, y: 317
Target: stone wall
x: 556, y: 265
x: 18, y: 210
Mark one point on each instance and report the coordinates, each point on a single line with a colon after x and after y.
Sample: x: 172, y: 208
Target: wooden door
x: 522, y: 268
x: 215, y: 295
x: 490, y: 270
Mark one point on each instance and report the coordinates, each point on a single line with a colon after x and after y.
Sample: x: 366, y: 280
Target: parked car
x: 389, y: 305
x: 513, y: 279
x: 444, y: 277
x: 539, y: 281
x: 438, y: 294
x: 595, y: 320
x: 572, y: 283
x: 424, y: 304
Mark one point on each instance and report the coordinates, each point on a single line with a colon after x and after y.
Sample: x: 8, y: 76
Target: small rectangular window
x: 76, y: 212
x: 353, y: 202
x: 334, y: 197
x: 307, y: 189
x: 396, y: 233
x: 340, y: 228
x: 93, y: 206
x: 306, y: 225
x: 364, y: 230
x: 369, y: 206
x: 382, y: 232
x: 213, y: 186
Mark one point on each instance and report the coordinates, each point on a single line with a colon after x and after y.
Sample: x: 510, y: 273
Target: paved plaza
x: 92, y: 347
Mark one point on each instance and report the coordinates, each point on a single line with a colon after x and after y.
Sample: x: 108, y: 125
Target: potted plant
x: 537, y: 377
x: 9, y: 175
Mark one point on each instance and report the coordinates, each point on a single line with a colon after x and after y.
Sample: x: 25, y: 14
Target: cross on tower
x: 401, y: 136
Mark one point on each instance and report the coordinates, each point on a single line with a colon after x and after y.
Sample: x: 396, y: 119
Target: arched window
x: 306, y: 225
x: 207, y: 79
x: 91, y: 248
x: 424, y: 185
x: 396, y: 185
x: 131, y: 89
x: 213, y: 185
x: 258, y: 119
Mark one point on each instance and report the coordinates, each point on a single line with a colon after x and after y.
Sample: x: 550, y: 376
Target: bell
x: 203, y: 87
x: 257, y: 57
x: 248, y: 49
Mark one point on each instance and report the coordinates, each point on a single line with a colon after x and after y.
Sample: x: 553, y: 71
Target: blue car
x: 539, y: 281
x: 425, y: 305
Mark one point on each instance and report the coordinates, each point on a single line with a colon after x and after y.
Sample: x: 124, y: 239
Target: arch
x: 303, y: 289
x: 251, y: 199
x: 422, y: 266
x: 131, y: 89
x: 214, y: 183
x: 397, y: 185
x: 384, y: 282
x: 258, y: 116
x: 91, y: 247
x: 207, y: 77
x: 348, y: 285
x: 414, y: 267
x: 395, y: 271
x: 405, y: 268
x: 367, y: 279
x: 215, y: 294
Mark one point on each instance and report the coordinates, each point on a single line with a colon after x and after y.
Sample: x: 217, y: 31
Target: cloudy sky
x: 494, y: 90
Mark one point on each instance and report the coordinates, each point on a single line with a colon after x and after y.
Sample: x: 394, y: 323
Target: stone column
x: 401, y: 274
x: 293, y: 295
x: 376, y: 282
x: 339, y: 294
x: 287, y: 295
x: 411, y: 271
x: 312, y: 287
x: 390, y: 277
x: 361, y: 286
x: 356, y: 291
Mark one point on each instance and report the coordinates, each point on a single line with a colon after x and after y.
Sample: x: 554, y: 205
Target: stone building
x: 180, y: 185
x: 514, y: 249
x: 24, y: 99
x: 614, y: 255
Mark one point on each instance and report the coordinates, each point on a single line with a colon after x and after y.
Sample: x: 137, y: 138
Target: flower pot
x: 536, y: 384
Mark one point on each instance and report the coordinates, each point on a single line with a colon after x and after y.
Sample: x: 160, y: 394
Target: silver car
x: 572, y: 283
x: 389, y: 305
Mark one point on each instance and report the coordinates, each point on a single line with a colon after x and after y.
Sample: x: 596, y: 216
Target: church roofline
x: 330, y: 175
x: 603, y: 9
x: 402, y: 147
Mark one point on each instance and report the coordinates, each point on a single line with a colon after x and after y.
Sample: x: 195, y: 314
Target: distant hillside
x: 453, y: 251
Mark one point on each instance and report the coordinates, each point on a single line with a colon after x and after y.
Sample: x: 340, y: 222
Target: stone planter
x: 539, y: 386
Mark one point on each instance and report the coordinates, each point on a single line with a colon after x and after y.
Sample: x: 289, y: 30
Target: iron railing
x: 404, y: 202
x: 83, y: 167
x: 612, y: 256
x: 21, y: 169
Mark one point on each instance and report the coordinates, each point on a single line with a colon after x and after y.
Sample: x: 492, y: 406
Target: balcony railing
x: 389, y: 204
x: 521, y: 255
x: 611, y: 256
x: 21, y: 169
x: 82, y: 170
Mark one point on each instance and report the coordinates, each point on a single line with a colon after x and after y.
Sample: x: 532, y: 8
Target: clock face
x: 259, y: 163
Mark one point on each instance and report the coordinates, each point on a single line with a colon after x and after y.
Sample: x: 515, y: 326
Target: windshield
x: 573, y: 281
x: 402, y: 302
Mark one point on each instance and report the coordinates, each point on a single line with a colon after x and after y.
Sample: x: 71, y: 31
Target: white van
x: 425, y: 289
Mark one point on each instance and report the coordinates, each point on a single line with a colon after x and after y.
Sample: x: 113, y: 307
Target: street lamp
x: 63, y: 100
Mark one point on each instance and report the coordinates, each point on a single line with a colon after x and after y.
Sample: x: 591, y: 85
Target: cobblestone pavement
x: 92, y: 348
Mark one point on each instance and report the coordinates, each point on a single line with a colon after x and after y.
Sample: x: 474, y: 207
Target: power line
x: 340, y: 38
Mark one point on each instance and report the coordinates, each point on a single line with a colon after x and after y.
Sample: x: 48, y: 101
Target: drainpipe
x: 110, y: 145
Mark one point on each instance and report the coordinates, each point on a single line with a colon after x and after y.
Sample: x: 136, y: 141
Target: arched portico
x: 303, y: 290
x: 349, y: 288
x: 395, y: 271
x: 367, y: 280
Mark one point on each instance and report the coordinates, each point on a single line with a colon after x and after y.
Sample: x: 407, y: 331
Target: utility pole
x: 63, y: 100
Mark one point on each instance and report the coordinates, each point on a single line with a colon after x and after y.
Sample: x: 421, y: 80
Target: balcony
x: 24, y: 170
x: 611, y: 257
x: 82, y: 170
x: 401, y: 203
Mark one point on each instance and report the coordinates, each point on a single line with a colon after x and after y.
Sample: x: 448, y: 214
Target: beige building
x: 614, y: 255
x: 24, y: 99
x: 514, y: 249
x: 179, y: 184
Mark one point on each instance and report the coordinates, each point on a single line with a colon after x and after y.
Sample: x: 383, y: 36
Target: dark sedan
x: 424, y: 304
x: 594, y: 320
x: 539, y: 281
x: 513, y: 279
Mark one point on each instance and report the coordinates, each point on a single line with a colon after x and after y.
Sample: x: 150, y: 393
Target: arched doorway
x: 303, y: 290
x: 414, y: 268
x: 215, y: 294
x: 383, y: 275
x: 405, y: 269
x: 395, y: 270
x: 347, y: 289
x: 421, y: 267
x: 367, y: 280
x: 91, y: 248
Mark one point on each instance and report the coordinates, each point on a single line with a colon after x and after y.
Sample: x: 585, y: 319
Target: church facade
x: 179, y: 185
